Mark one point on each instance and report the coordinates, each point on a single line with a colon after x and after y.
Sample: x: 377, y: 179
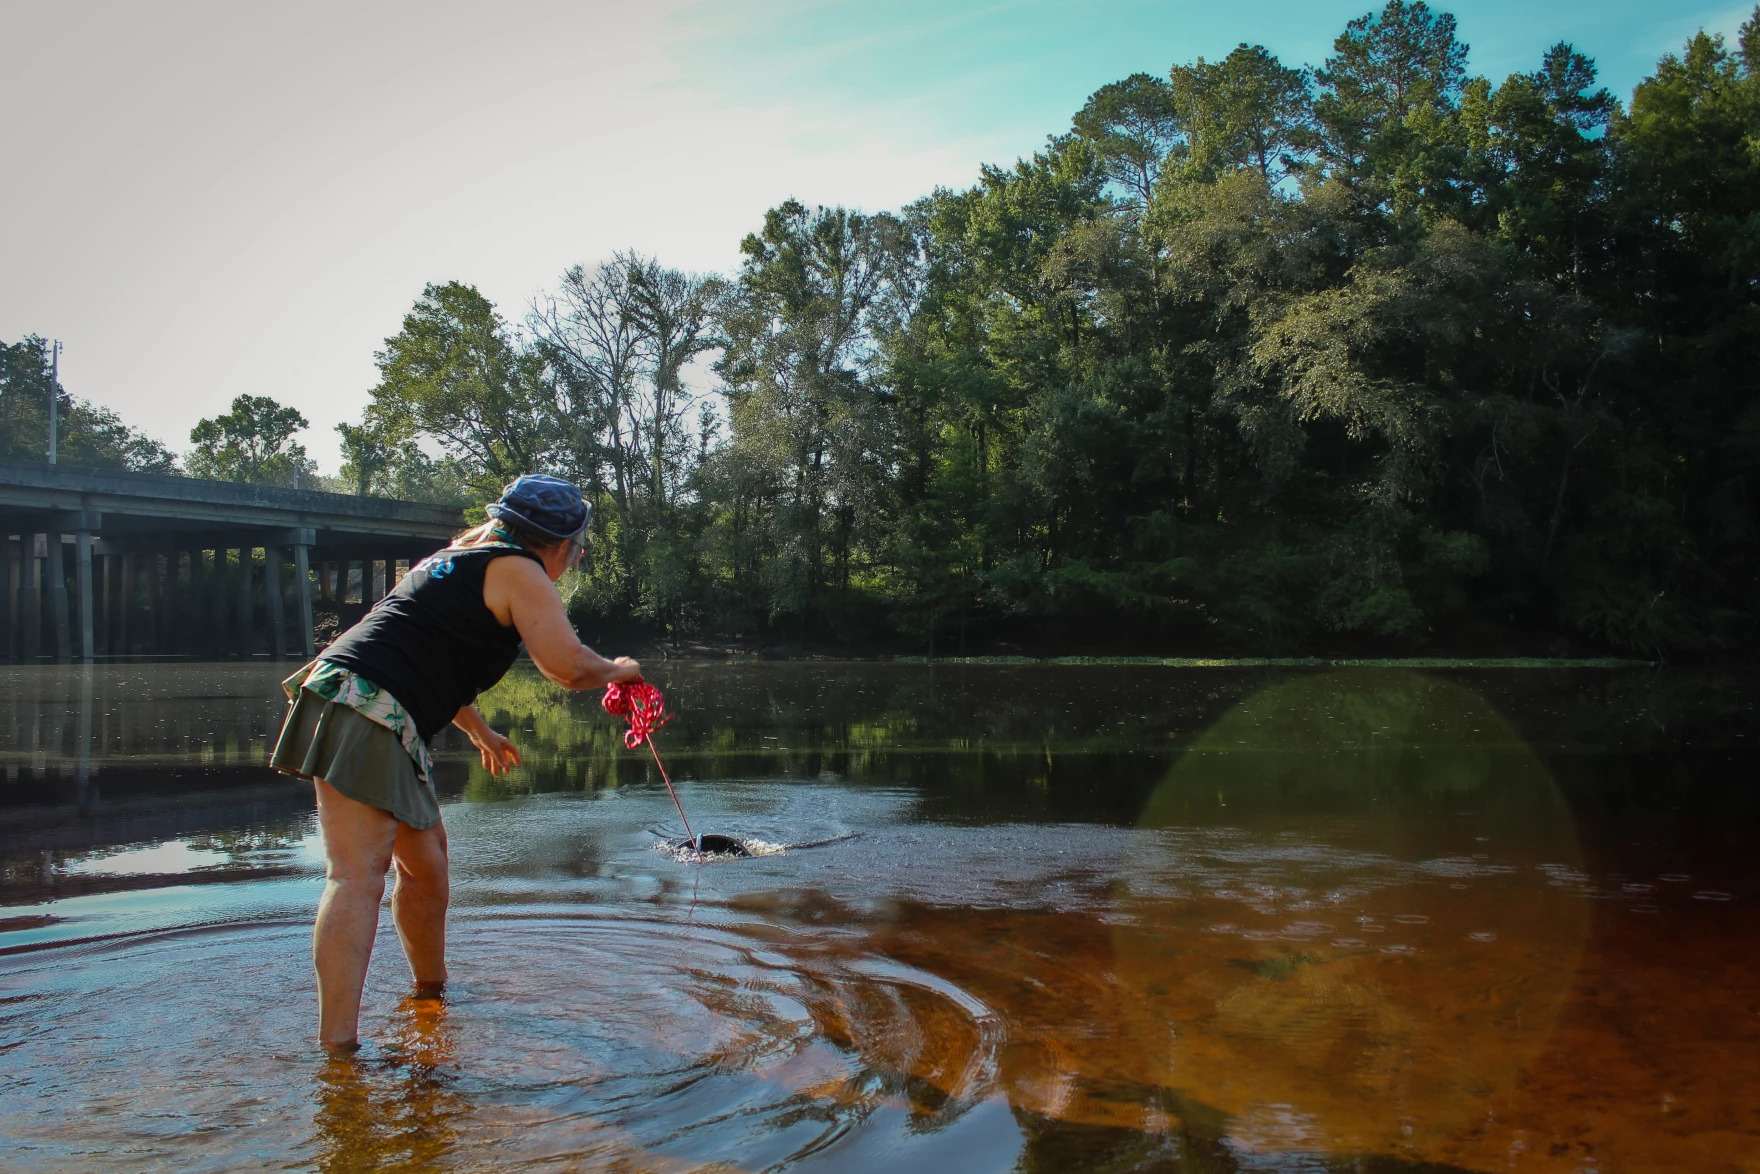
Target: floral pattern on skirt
x: 335, y: 683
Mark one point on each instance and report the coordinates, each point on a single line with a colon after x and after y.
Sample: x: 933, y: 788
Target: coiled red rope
x: 643, y: 707
x: 638, y: 703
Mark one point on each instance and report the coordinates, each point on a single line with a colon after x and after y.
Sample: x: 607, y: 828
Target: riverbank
x: 690, y: 650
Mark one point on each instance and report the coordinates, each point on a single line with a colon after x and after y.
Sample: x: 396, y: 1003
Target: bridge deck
x: 130, y: 563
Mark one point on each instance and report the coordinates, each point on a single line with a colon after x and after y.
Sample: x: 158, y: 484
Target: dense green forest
x: 1373, y: 354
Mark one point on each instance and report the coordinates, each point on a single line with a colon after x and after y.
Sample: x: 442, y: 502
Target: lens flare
x: 1354, y: 909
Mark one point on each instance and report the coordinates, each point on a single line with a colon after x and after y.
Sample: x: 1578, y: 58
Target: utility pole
x: 54, y: 395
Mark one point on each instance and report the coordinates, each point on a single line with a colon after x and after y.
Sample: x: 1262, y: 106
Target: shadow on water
x: 1091, y: 918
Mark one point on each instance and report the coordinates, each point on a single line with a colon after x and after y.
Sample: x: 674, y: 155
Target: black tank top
x: 433, y: 643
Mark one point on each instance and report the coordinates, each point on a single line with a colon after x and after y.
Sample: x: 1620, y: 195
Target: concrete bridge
x: 101, y: 563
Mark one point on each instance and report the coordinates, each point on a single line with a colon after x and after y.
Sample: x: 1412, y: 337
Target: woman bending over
x: 364, y: 712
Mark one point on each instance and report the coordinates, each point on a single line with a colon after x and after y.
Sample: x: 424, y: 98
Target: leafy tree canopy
x: 253, y: 442
x: 1369, y: 354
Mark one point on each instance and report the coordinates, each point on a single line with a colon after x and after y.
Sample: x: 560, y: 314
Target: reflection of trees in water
x: 1086, y: 742
x: 282, y: 835
x: 969, y: 744
x: 1191, y: 1139
x: 228, y: 714
x: 1345, y: 740
x: 37, y: 857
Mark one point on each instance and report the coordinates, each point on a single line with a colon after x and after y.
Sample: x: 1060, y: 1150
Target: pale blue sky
x: 1014, y: 71
x: 207, y: 198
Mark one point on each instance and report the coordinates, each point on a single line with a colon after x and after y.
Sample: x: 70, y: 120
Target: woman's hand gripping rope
x: 640, y: 704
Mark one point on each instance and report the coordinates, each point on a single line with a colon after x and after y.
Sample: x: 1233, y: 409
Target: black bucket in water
x: 711, y: 844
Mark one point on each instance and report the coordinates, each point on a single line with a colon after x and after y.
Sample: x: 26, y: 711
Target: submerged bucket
x: 711, y: 844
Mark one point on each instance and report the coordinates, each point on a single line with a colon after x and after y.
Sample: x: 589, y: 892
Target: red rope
x: 640, y: 704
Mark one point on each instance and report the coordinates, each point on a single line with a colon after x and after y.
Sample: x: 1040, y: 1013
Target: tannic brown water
x: 1086, y: 919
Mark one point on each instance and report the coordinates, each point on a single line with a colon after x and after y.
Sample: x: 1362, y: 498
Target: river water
x: 1071, y: 918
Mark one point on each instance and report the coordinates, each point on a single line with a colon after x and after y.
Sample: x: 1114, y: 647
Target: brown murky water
x: 1080, y: 918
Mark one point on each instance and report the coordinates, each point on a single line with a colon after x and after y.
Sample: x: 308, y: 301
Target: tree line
x: 1252, y: 357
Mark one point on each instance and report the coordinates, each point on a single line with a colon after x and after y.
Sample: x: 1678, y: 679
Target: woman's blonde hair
x: 501, y: 530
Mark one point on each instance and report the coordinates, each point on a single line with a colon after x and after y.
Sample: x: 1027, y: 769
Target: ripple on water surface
x: 584, y: 1027
x: 574, y: 1035
x: 941, y: 997
x: 1327, y: 953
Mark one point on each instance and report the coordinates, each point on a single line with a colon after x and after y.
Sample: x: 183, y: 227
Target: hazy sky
x: 203, y: 199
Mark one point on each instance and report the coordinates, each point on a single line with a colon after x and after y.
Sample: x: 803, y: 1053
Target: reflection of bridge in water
x: 96, y: 757
x: 93, y: 756
x: 102, y: 563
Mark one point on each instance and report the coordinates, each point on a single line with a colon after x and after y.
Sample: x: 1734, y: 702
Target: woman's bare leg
x: 358, y: 840
x: 418, y: 903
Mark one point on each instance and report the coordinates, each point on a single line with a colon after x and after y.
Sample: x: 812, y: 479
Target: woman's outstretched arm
x: 519, y: 592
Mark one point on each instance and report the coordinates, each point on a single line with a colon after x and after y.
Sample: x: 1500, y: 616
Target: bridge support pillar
x: 57, y: 585
x: 198, y: 600
x: 247, y: 620
x: 125, y: 605
x: 155, y: 622
x: 14, y: 556
x: 82, y: 554
x: 30, y: 596
x: 105, y: 586
x: 171, y: 622
x: 302, y: 588
x: 214, y: 599
x: 277, y: 615
x: 221, y: 617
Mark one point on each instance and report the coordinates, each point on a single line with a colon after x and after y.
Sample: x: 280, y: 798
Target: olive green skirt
x: 356, y: 755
